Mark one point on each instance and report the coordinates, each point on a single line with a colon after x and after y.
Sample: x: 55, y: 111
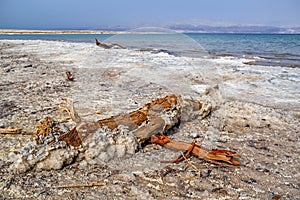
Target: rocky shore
x: 256, y: 112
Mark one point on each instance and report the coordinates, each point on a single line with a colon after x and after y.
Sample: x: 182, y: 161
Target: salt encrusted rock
x: 57, y: 159
x: 101, y: 146
x: 41, y: 157
x: 105, y: 145
x: 195, y: 108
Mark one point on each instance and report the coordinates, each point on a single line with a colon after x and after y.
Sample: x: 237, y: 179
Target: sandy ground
x: 266, y: 135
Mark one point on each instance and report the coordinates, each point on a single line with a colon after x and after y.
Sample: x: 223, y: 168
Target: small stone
x: 83, y: 164
x: 194, y: 134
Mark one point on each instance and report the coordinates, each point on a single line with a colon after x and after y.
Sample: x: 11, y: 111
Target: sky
x: 97, y: 14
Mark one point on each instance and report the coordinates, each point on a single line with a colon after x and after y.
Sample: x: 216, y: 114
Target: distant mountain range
x: 255, y: 29
x: 234, y: 29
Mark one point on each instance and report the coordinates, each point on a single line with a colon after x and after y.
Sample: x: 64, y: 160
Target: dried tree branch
x: 10, y: 130
x: 76, y: 185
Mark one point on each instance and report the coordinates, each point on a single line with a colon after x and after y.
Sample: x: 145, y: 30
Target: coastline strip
x: 20, y: 31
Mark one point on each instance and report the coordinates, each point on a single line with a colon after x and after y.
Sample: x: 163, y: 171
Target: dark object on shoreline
x: 69, y: 76
x: 28, y: 66
x: 103, y: 45
x: 276, y: 197
x: 97, y: 42
x: 108, y: 46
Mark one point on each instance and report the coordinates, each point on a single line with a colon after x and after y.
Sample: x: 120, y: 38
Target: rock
x: 105, y: 145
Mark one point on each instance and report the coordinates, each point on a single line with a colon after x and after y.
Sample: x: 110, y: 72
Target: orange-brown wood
x: 210, y: 155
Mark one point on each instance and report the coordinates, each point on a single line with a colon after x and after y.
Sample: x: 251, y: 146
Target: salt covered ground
x: 256, y: 113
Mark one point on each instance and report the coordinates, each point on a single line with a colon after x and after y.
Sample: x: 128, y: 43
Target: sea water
x: 274, y: 49
x: 268, y: 49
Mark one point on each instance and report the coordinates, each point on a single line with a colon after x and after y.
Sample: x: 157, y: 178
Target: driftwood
x: 72, y: 138
x: 43, y: 128
x: 76, y: 185
x: 16, y: 131
x: 71, y: 111
x: 151, y: 122
x: 10, y: 130
x: 108, y: 46
x: 213, y: 156
x: 149, y: 115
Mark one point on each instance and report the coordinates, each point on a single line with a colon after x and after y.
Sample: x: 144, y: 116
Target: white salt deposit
x: 267, y: 85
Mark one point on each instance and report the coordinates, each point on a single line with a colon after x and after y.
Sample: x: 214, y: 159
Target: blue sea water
x: 274, y: 49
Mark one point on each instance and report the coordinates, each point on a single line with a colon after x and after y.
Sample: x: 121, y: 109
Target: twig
x: 71, y: 112
x: 89, y: 114
x: 76, y: 185
x: 10, y: 130
x: 16, y: 131
x: 189, y: 163
x: 74, y: 114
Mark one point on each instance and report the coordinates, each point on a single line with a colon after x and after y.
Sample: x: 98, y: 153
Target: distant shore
x: 21, y: 31
x: 24, y: 31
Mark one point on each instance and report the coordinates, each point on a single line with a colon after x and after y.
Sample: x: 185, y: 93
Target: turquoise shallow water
x: 273, y: 49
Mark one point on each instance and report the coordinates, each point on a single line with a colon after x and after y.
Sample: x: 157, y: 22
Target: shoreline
x: 24, y: 31
x: 61, y: 32
x: 85, y: 31
x: 276, y: 56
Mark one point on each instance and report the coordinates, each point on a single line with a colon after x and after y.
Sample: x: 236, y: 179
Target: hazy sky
x: 60, y: 14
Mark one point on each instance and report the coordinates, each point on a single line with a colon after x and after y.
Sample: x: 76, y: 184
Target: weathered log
x: 144, y: 122
x: 155, y: 117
